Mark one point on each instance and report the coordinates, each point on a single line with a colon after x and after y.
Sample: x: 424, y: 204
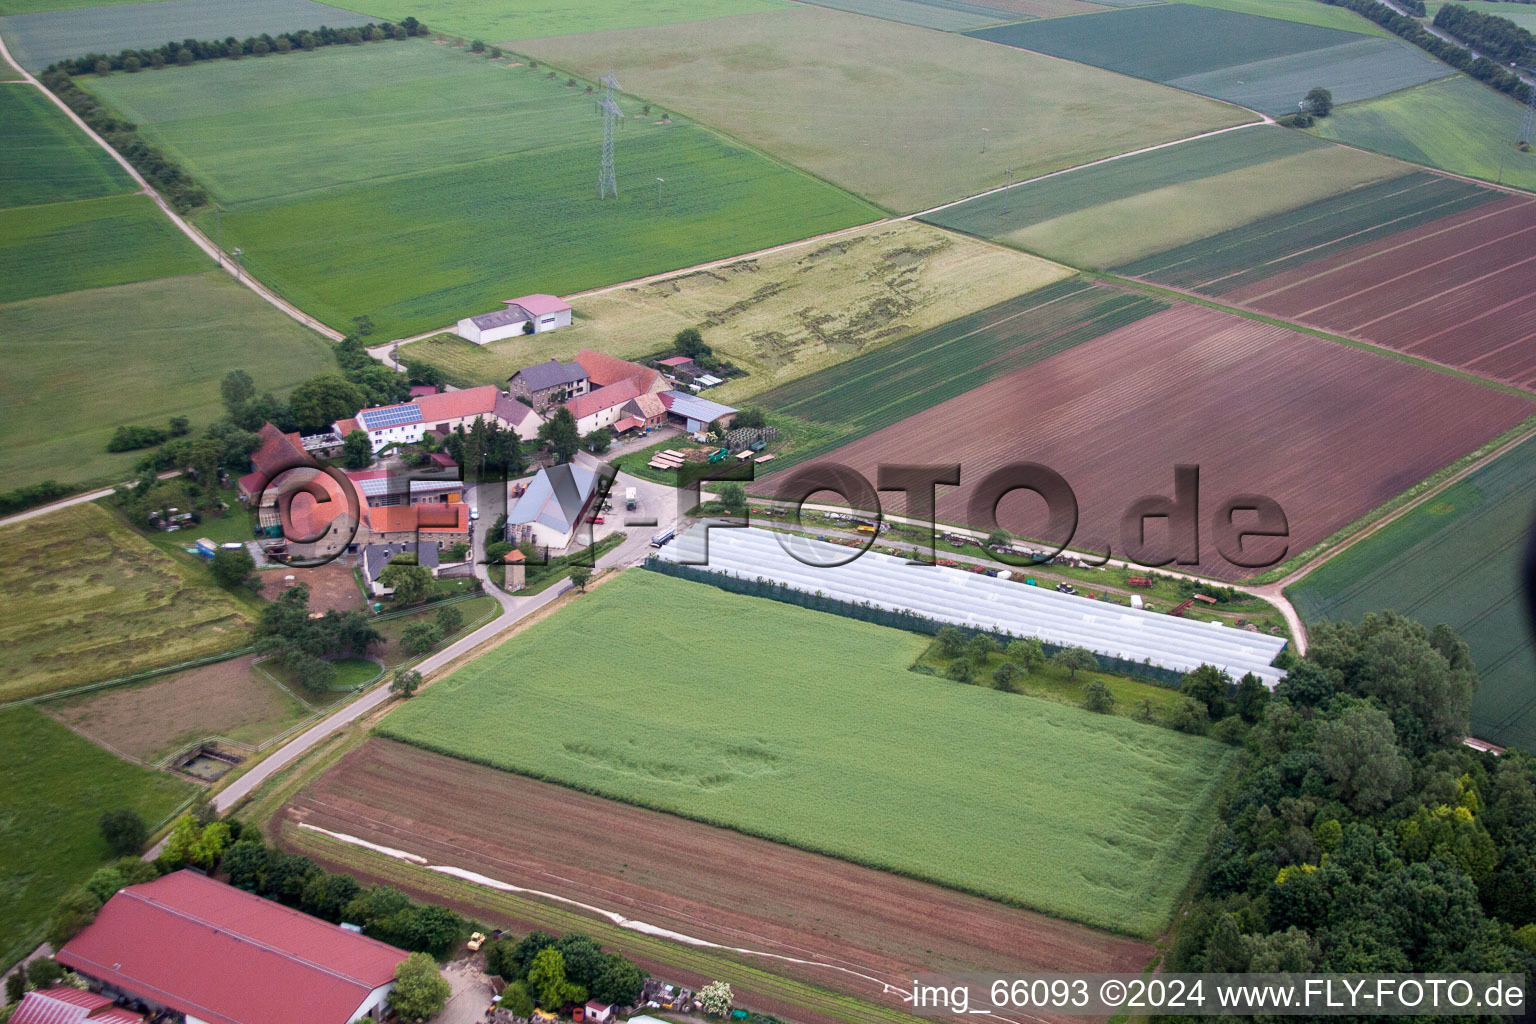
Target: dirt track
x: 703, y: 881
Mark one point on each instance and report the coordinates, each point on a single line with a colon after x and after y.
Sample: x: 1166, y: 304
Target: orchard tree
x: 1074, y: 658
x: 420, y: 637
x: 405, y: 683
x: 409, y: 582
x: 420, y: 990
x: 356, y: 450
x: 716, y: 998
x: 1028, y: 654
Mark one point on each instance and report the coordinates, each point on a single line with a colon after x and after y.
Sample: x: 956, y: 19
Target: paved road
x: 1430, y: 28
x: 514, y: 610
x: 78, y: 499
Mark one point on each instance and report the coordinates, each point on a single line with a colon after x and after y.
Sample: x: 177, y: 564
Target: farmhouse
x: 64, y: 1005
x: 408, y: 422
x: 695, y: 413
x: 548, y: 383
x: 604, y: 370
x: 278, y: 452
x: 552, y: 507
x: 602, y: 407
x: 189, y: 945
x: 376, y: 557
x: 531, y: 314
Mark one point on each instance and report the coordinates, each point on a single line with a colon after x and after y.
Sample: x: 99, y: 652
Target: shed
x: 599, y: 1012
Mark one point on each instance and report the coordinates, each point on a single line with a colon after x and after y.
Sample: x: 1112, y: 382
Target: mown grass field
x: 1456, y: 124
x: 903, y: 379
x: 90, y: 599
x: 164, y: 345
x: 1228, y: 261
x: 1454, y: 559
x: 491, y: 191
x: 1116, y: 212
x: 779, y: 316
x: 48, y: 159
x: 493, y: 21
x: 66, y: 247
x: 890, y: 112
x: 1262, y: 63
x: 1307, y: 12
x: 1084, y: 816
x: 52, y: 31
x: 56, y: 787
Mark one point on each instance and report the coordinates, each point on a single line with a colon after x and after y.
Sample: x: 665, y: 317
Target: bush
x: 127, y: 439
x: 1096, y: 697
x: 1007, y: 676
x: 959, y: 670
x: 421, y: 637
x: 123, y: 830
x: 232, y: 567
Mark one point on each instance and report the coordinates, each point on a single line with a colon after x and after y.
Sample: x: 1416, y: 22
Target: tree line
x: 1480, y: 68
x: 190, y: 51
x: 1361, y: 834
x: 554, y: 973
x: 1495, y: 36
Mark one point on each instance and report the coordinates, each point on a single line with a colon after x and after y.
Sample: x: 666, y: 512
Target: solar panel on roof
x: 391, y: 416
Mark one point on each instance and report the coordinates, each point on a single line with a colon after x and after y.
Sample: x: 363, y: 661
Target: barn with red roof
x: 220, y: 955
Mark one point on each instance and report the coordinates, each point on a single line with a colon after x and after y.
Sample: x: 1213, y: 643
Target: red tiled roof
x: 427, y: 517
x: 64, y: 1005
x: 311, y: 517
x: 418, y: 390
x: 674, y: 361
x: 278, y: 451
x: 346, y: 426
x: 602, y: 398
x: 539, y: 305
x: 603, y: 370
x: 627, y: 423
x: 225, y: 956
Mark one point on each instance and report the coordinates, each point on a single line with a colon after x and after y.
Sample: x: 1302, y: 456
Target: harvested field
x: 1116, y: 212
x: 1454, y: 559
x: 1442, y: 272
x: 905, y: 378
x: 38, y: 39
x: 332, y: 586
x: 1455, y: 124
x: 890, y: 112
x: 48, y: 159
x: 1085, y: 816
x: 780, y: 316
x: 1262, y: 63
x: 495, y: 19
x: 90, y: 599
x: 707, y: 882
x: 157, y: 718
x: 1257, y: 407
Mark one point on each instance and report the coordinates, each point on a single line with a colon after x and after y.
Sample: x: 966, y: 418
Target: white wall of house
x: 469, y: 332
x: 373, y: 1005
x: 550, y: 321
x: 601, y: 418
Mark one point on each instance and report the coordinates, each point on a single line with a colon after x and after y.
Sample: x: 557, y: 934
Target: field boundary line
x: 192, y: 233
x: 137, y: 677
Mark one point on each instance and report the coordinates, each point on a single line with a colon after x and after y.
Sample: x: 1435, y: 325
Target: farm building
x: 278, y: 452
x: 646, y: 411
x: 376, y: 558
x: 604, y: 370
x: 695, y: 413
x: 548, y: 383
x: 186, y: 944
x: 64, y: 1005
x: 974, y: 601
x: 531, y: 314
x: 552, y: 507
x: 408, y: 422
x: 678, y: 364
x: 603, y: 407
x: 598, y: 1013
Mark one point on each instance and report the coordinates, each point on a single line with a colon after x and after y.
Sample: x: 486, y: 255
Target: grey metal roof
x: 982, y: 602
x: 552, y: 374
x: 376, y: 557
x: 693, y: 407
x: 555, y: 498
x: 513, y: 314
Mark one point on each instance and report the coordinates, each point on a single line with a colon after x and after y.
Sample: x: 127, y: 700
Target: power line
x: 606, y: 178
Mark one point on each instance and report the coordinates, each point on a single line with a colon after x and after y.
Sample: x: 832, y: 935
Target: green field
x: 890, y: 112
x: 493, y: 21
x: 90, y: 600
x: 65, y: 247
x: 1115, y: 212
x: 1457, y: 125
x: 1271, y: 245
x: 1454, y: 559
x: 164, y: 346
x: 492, y: 184
x: 32, y: 6
x: 1262, y: 63
x: 1308, y: 12
x: 36, y: 40
x: 48, y: 159
x: 904, y: 378
x: 813, y: 732
x: 944, y: 15
x: 56, y: 786
x: 1521, y: 14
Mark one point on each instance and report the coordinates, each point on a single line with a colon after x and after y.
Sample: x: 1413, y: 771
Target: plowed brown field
x: 1456, y: 290
x: 705, y: 882
x: 1328, y: 430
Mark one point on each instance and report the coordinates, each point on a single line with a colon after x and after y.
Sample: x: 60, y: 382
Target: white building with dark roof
x: 531, y: 314
x: 552, y: 507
